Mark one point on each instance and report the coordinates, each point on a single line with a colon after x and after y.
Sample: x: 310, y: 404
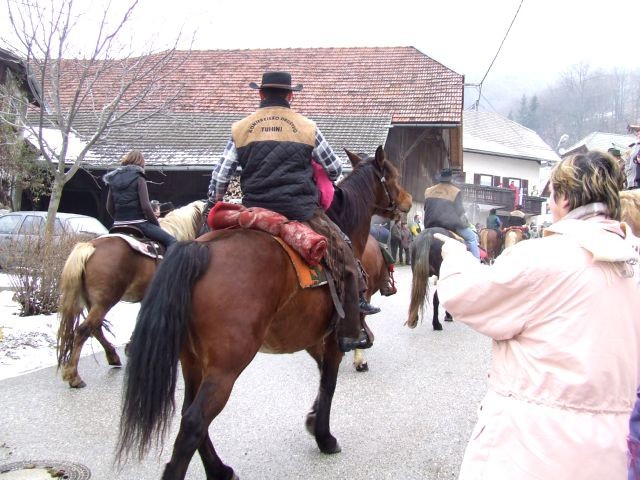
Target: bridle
x: 391, y: 205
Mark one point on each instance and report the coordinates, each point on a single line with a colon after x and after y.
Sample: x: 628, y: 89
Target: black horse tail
x: 152, y: 370
x: 420, y: 269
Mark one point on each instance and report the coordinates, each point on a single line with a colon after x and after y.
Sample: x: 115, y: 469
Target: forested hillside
x: 581, y: 101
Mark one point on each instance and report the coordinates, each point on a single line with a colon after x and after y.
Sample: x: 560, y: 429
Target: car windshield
x: 87, y: 225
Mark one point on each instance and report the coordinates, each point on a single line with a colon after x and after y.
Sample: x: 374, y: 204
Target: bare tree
x: 96, y: 75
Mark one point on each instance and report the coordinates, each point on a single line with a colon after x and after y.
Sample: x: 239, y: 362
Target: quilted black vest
x: 274, y: 149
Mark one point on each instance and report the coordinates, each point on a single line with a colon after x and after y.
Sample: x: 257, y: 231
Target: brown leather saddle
x: 133, y: 231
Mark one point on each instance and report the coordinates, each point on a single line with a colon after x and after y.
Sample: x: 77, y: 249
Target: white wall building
x: 497, y: 152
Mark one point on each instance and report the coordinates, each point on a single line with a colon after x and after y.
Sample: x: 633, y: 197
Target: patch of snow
x: 29, y: 343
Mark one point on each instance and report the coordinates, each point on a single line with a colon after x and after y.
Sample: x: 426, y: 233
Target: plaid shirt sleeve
x: 325, y: 156
x: 223, y: 171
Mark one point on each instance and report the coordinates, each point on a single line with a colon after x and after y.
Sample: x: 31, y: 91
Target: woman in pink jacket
x: 564, y: 315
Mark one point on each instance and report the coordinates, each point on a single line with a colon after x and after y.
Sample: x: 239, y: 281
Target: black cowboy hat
x: 280, y: 80
x: 445, y: 175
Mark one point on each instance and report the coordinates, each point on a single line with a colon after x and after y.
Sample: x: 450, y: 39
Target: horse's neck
x: 341, y: 213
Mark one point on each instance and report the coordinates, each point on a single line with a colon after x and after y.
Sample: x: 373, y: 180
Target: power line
x: 496, y: 55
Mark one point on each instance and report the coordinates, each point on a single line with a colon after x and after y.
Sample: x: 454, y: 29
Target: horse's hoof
x: 363, y: 367
x: 77, y: 384
x: 448, y: 318
x: 115, y: 362
x: 437, y: 327
x: 310, y: 423
x: 330, y: 447
x: 235, y: 477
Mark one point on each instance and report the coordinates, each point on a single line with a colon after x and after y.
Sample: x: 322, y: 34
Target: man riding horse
x: 443, y: 208
x: 275, y: 147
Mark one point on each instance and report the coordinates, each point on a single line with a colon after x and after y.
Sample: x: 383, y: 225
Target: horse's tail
x: 152, y: 370
x: 484, y: 239
x: 420, y: 269
x: 72, y: 301
x: 510, y: 238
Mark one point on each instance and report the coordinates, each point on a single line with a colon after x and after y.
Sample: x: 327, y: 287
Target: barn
x: 359, y: 97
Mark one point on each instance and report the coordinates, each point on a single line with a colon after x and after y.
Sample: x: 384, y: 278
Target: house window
x: 521, y: 184
x: 486, y: 180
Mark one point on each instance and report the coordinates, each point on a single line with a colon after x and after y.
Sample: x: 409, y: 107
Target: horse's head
x: 391, y: 197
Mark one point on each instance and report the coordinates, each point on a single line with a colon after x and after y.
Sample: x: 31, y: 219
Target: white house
x: 498, y: 152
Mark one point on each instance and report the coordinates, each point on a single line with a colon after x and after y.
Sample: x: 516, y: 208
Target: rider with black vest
x: 128, y: 199
x: 275, y: 147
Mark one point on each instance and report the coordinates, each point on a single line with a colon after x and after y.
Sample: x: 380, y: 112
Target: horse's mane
x: 630, y: 209
x: 354, y: 196
x: 183, y: 222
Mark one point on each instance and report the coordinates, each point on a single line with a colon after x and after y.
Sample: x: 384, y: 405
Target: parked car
x: 18, y: 229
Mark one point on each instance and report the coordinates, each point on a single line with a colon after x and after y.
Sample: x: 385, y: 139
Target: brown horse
x: 375, y: 265
x: 200, y: 310
x: 426, y: 258
x: 630, y: 205
x: 97, y: 275
x: 490, y: 243
x: 512, y: 236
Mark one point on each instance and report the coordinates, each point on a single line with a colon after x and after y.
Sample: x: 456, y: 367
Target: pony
x: 214, y: 303
x: 97, y: 275
x: 512, y: 236
x: 426, y: 258
x: 490, y: 243
x: 630, y: 209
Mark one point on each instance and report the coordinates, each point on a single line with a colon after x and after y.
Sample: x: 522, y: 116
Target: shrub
x: 34, y: 269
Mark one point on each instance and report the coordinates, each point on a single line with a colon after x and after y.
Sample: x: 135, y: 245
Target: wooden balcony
x: 500, y: 198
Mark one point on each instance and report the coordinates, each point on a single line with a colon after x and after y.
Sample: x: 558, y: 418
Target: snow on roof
x: 488, y: 132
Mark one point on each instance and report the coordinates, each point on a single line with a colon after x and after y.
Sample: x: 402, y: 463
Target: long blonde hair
x: 588, y: 178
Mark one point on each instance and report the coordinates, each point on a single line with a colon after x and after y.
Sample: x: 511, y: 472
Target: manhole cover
x: 44, y: 470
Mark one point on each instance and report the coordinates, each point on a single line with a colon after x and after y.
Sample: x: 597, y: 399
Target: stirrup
x: 346, y: 344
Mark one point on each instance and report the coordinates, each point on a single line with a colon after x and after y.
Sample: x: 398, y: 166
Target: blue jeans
x: 156, y: 233
x: 471, y: 239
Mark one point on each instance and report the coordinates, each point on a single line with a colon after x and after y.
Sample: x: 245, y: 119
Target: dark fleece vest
x: 123, y: 183
x: 442, y: 207
x: 274, y: 149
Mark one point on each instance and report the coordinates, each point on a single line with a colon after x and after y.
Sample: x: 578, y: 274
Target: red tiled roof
x: 400, y: 82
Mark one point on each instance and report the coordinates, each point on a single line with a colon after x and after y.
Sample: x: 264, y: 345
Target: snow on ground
x: 29, y: 343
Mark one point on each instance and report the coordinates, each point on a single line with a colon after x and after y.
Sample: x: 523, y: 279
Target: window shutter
x: 525, y: 186
x: 496, y: 180
x: 476, y: 179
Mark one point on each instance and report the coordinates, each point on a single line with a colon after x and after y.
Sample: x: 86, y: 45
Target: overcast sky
x: 547, y: 37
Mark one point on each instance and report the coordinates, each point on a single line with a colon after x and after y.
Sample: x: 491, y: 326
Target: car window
x: 32, y: 225
x: 58, y: 229
x: 86, y: 225
x: 9, y: 223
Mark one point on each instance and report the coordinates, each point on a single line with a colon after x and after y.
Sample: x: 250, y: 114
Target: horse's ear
x: 353, y: 158
x: 380, y: 157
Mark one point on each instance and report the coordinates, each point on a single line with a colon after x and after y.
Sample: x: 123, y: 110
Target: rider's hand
x: 450, y: 246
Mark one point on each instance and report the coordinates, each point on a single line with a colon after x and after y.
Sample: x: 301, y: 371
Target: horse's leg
x: 203, y: 402
x: 109, y: 350
x: 327, y: 357
x: 436, y: 311
x: 91, y: 324
x: 360, y: 361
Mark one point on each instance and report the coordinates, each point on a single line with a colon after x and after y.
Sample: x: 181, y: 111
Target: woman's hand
x: 450, y: 246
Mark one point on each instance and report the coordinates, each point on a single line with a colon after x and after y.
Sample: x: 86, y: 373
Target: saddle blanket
x: 308, y: 276
x: 310, y: 245
x: 137, y: 245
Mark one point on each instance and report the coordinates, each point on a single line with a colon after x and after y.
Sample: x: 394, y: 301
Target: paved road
x: 409, y: 417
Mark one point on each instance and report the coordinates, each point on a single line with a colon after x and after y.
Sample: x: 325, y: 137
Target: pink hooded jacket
x: 564, y: 315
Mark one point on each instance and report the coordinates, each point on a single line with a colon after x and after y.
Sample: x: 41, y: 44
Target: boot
x: 366, y: 308
x: 346, y: 344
